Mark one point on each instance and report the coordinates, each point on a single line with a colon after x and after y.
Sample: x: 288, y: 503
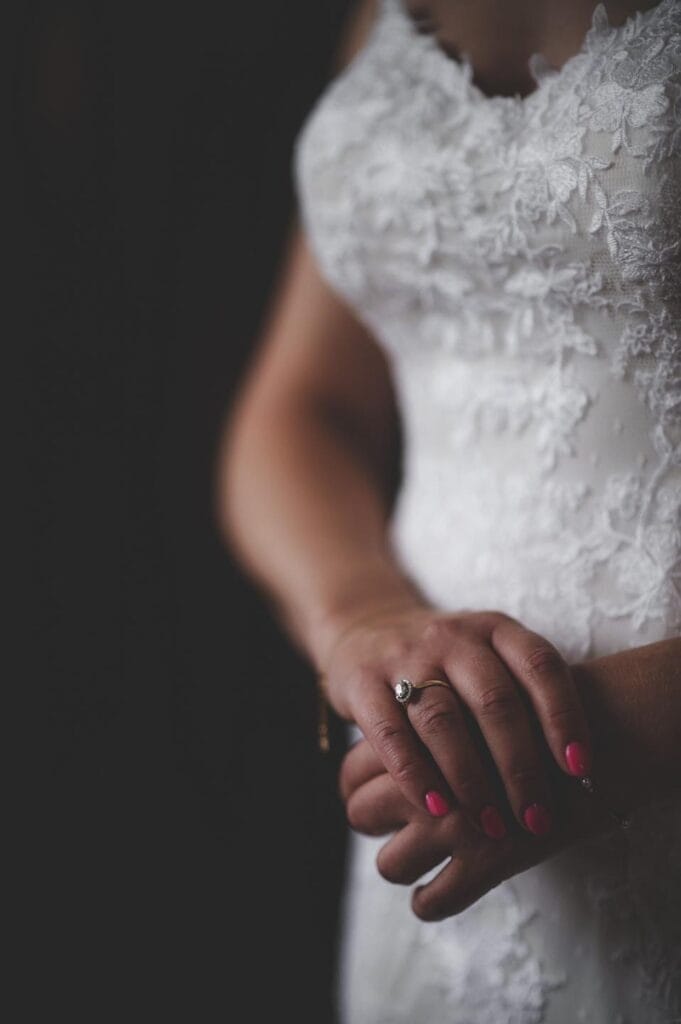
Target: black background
x: 195, y: 841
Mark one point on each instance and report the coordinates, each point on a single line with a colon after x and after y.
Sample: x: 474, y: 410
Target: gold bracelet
x: 323, y: 739
x: 620, y: 819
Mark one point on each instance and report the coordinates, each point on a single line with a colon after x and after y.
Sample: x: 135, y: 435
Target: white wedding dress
x: 519, y: 260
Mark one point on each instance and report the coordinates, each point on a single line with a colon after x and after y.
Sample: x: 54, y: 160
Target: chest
x: 499, y: 38
x: 420, y: 191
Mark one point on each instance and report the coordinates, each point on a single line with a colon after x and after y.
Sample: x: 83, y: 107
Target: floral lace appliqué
x: 519, y: 260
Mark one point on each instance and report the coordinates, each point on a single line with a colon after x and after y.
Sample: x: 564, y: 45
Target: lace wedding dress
x: 519, y: 259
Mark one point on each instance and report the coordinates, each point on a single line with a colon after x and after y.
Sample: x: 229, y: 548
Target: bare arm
x: 308, y: 461
x: 315, y: 435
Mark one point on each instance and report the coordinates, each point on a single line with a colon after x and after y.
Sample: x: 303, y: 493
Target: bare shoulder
x: 313, y: 350
x: 357, y: 28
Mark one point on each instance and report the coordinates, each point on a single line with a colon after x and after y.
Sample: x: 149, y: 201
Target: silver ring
x: 404, y: 689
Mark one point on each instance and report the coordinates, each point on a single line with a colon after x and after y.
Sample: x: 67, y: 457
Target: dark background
x: 195, y: 842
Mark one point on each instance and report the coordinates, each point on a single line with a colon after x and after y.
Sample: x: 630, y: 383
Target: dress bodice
x: 519, y: 261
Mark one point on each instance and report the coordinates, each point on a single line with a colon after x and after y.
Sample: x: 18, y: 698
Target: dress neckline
x: 600, y: 29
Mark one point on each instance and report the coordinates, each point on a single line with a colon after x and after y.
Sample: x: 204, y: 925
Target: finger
x: 414, y: 851
x: 546, y: 678
x: 472, y: 873
x: 438, y: 718
x: 387, y: 728
x: 494, y: 699
x: 359, y: 765
x: 458, y: 885
x: 378, y: 807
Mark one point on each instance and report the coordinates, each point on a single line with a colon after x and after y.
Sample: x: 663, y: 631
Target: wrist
x: 635, y: 724
x: 374, y: 588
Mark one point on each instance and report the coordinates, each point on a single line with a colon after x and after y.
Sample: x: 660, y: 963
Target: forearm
x: 633, y: 702
x: 306, y: 515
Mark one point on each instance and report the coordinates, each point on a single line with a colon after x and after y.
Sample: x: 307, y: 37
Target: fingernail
x: 436, y: 804
x: 537, y: 818
x: 492, y: 822
x: 578, y: 758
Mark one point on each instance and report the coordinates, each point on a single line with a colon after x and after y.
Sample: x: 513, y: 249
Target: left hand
x: 472, y: 863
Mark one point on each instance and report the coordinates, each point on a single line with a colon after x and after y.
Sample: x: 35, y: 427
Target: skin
x: 314, y: 435
x: 637, y: 764
x: 500, y: 37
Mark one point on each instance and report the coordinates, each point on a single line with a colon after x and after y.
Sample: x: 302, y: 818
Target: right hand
x: 504, y: 679
x: 469, y: 865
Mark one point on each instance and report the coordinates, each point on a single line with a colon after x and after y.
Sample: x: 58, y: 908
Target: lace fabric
x: 519, y: 259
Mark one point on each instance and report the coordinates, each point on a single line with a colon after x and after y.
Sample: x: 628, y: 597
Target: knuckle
x: 438, y: 718
x: 438, y: 631
x: 498, y: 702
x: 389, y: 867
x: 523, y: 776
x: 435, y: 907
x: 562, y: 716
x: 396, y: 648
x: 389, y: 740
x: 406, y: 773
x: 542, y: 662
x: 491, y: 620
x: 386, y: 732
x: 500, y: 620
x: 468, y: 788
x: 365, y: 674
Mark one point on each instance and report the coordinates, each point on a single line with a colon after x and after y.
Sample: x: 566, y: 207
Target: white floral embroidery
x: 519, y: 259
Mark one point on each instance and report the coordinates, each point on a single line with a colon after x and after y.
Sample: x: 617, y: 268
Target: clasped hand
x: 475, y: 771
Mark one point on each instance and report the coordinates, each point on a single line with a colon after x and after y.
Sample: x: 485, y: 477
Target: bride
x: 454, y: 468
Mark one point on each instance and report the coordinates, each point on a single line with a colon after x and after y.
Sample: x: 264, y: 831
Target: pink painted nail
x: 492, y: 822
x: 537, y: 818
x: 436, y: 804
x: 578, y: 759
